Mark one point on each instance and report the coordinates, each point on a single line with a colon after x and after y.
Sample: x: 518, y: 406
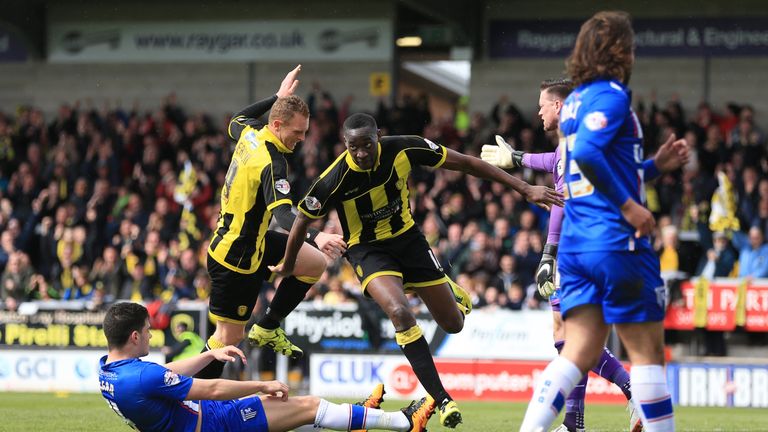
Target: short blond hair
x: 286, y: 107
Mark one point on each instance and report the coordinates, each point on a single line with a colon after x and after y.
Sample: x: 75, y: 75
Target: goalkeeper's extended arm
x: 502, y: 154
x: 545, y: 274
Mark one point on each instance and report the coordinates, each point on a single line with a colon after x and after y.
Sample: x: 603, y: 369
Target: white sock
x: 555, y: 383
x: 351, y: 417
x: 651, y: 398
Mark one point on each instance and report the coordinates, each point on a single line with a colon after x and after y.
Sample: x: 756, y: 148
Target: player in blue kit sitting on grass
x: 151, y: 397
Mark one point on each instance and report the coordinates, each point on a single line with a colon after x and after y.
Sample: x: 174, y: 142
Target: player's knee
x: 401, y: 316
x: 312, y: 263
x: 309, y: 402
x: 453, y: 325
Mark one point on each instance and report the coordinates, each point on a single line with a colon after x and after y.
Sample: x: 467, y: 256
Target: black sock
x: 214, y: 369
x: 288, y: 295
x: 417, y: 353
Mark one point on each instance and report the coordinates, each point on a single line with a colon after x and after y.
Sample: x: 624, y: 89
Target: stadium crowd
x: 107, y: 203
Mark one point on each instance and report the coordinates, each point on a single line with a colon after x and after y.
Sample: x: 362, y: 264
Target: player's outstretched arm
x: 505, y: 157
x: 224, y: 389
x: 502, y: 154
x: 540, y: 195
x: 192, y: 365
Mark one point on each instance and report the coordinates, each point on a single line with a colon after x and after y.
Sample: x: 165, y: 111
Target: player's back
x: 238, y: 241
x: 148, y: 396
x: 598, y: 115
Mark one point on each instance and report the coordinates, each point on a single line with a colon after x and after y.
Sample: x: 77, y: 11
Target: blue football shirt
x: 148, y: 396
x: 604, y: 134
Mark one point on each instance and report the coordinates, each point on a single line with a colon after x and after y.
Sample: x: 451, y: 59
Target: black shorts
x: 407, y: 256
x: 234, y: 294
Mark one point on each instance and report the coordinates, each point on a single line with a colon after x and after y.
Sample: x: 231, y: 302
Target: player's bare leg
x: 388, y: 292
x: 311, y: 410
x: 440, y: 301
x: 586, y: 332
x: 310, y: 265
x: 645, y: 345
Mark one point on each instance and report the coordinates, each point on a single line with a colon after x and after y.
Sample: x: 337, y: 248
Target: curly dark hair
x: 604, y: 48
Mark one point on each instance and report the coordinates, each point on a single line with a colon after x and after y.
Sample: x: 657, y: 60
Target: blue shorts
x: 626, y: 284
x: 239, y: 415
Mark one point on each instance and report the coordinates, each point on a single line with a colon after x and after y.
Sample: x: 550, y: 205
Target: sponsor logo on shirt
x: 171, y: 378
x: 432, y: 145
x: 312, y: 203
x: 283, y: 186
x: 595, y: 121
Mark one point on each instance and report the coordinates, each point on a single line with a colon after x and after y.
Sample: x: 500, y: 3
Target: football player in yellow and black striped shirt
x: 368, y: 187
x: 241, y: 249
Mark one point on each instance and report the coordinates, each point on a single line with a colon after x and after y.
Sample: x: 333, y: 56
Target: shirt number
x: 578, y: 186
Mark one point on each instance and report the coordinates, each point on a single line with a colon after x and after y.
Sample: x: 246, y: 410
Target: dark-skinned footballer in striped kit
x: 368, y: 186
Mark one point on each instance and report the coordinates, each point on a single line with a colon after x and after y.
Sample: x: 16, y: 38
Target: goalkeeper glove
x: 545, y: 274
x: 502, y: 155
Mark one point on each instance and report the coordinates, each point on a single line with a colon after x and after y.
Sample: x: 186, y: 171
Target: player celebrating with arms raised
x: 609, y: 273
x: 368, y: 187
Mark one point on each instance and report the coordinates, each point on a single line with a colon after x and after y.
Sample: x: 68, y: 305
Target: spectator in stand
x: 753, y: 254
x: 720, y: 259
x: 15, y: 281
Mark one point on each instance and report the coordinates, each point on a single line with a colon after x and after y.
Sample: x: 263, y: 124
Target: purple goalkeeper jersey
x: 550, y: 162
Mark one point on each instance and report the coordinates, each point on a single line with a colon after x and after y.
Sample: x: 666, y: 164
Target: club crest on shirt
x: 242, y: 309
x: 595, y: 121
x: 170, y: 378
x: 312, y: 203
x: 283, y: 186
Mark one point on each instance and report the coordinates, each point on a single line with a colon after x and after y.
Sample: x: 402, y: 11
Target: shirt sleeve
x: 158, y: 381
x: 422, y: 151
x: 650, y: 170
x: 604, y: 117
x: 248, y: 116
x: 274, y: 184
x: 540, y: 161
x: 555, y: 225
x: 319, y: 198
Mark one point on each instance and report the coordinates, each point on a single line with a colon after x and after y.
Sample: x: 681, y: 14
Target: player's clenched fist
x: 545, y: 274
x: 501, y: 155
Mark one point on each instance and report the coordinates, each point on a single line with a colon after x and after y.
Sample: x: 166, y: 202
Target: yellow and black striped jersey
x: 255, y: 184
x: 372, y: 204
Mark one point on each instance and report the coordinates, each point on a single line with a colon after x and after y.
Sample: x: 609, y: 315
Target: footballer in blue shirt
x: 609, y: 274
x: 152, y: 398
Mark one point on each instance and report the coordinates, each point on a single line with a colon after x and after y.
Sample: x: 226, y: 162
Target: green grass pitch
x: 43, y: 412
